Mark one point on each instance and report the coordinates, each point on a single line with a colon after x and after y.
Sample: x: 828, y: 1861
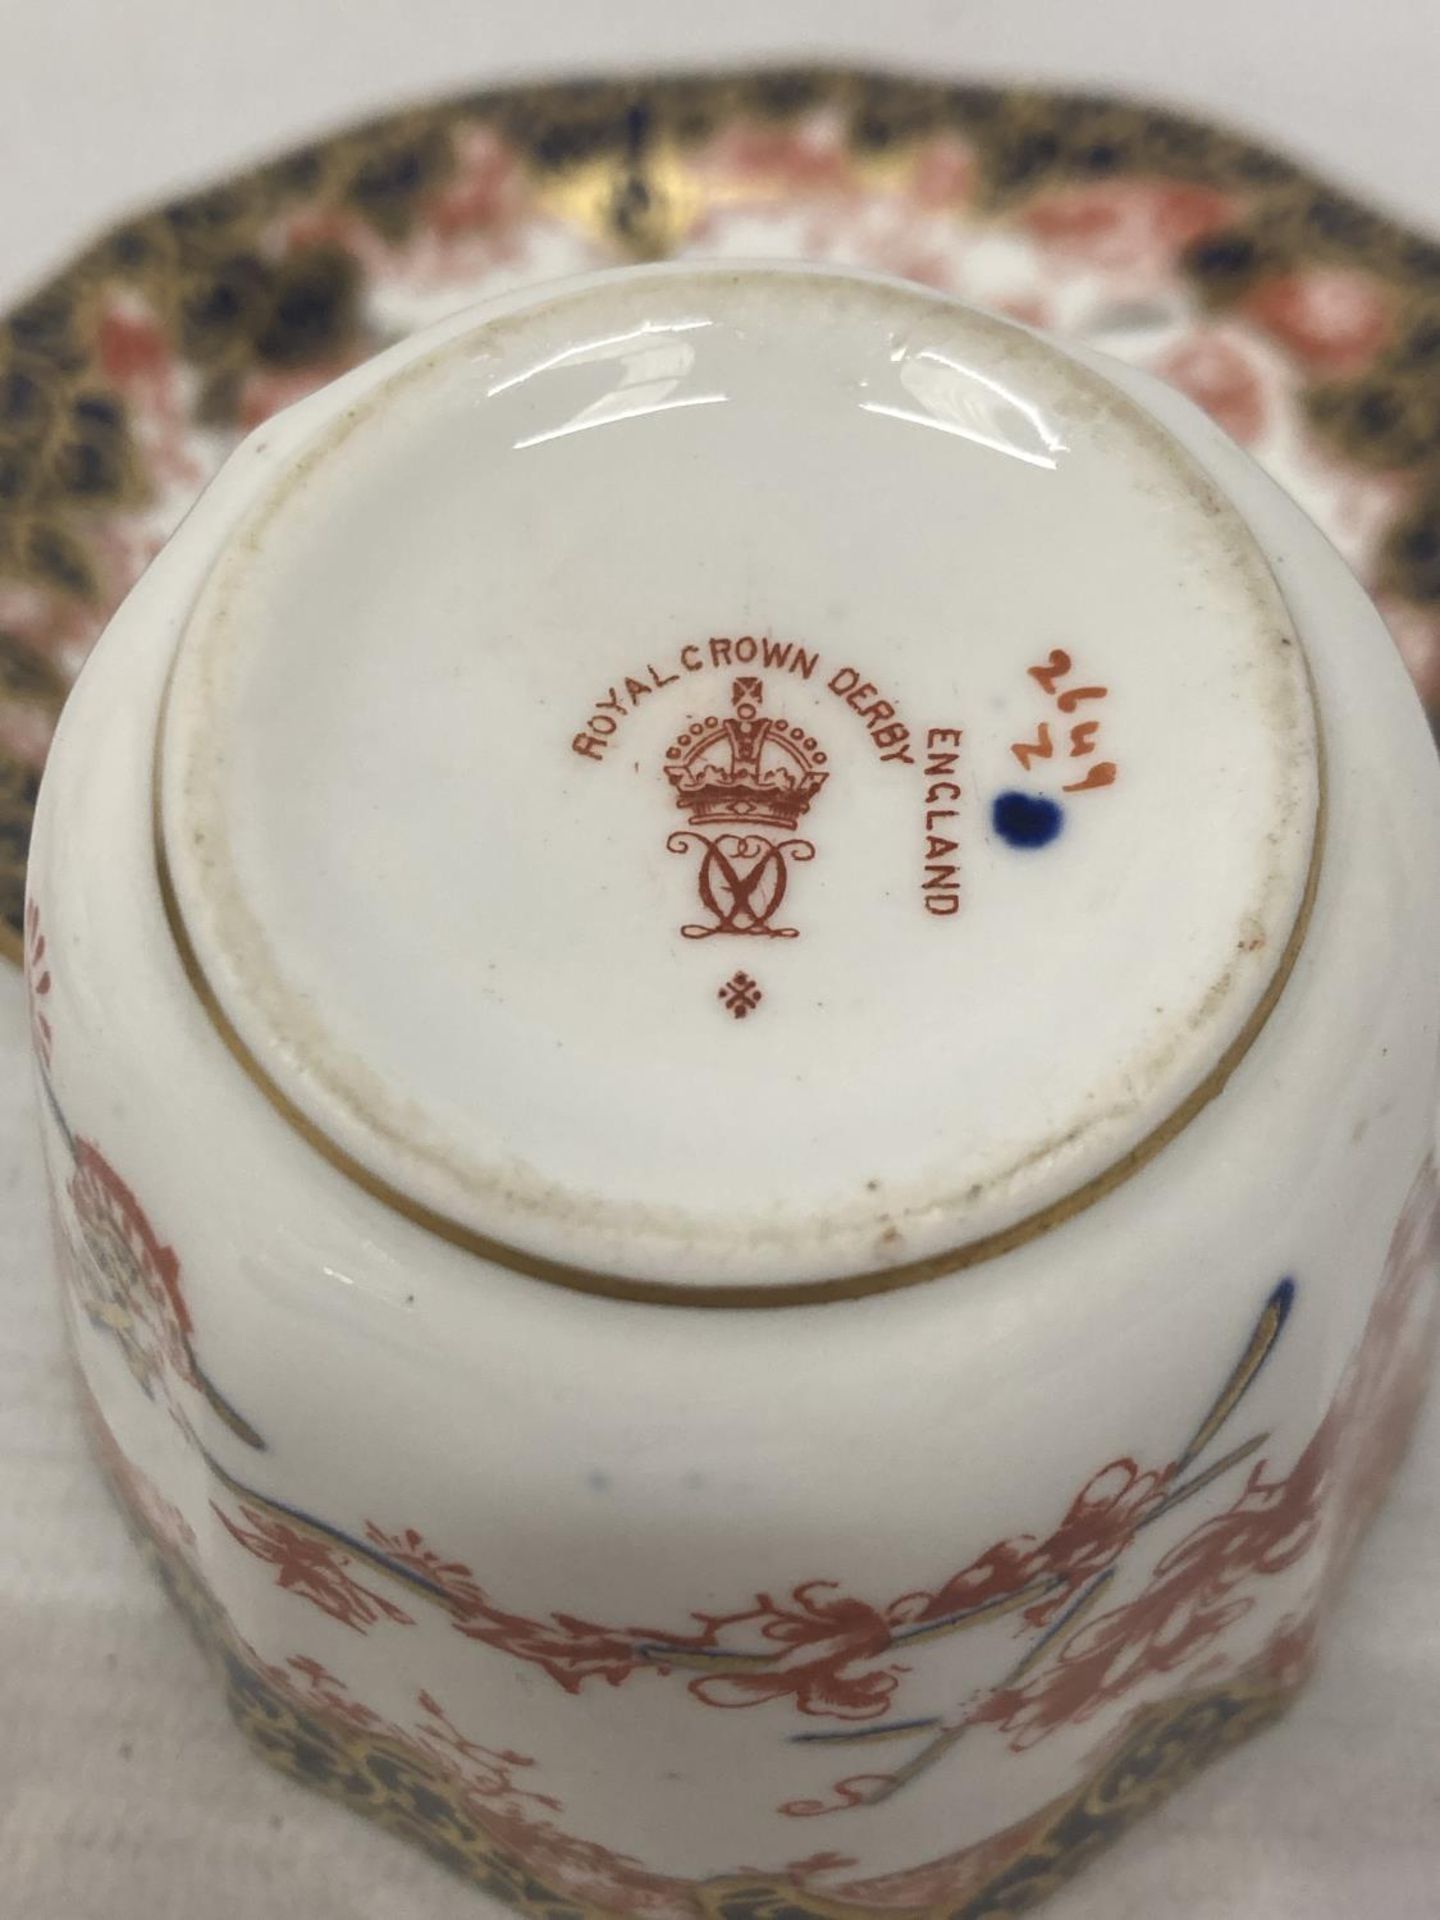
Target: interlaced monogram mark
x: 742, y: 880
x: 745, y: 772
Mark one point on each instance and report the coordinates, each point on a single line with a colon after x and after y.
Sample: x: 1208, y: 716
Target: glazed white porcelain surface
x: 379, y: 1007
x: 417, y: 814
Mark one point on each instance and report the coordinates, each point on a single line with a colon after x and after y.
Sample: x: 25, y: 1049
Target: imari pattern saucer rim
x: 127, y: 376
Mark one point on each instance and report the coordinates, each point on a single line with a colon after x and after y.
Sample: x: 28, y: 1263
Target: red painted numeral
x: 1058, y: 665
x: 1040, y: 748
x: 1072, y: 696
x: 1102, y: 774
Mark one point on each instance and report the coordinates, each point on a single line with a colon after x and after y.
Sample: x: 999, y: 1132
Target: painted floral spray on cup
x: 730, y: 990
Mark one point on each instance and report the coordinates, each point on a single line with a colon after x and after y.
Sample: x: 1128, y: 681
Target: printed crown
x: 748, y: 770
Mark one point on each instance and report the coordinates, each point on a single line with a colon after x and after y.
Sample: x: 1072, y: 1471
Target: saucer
x: 1308, y: 326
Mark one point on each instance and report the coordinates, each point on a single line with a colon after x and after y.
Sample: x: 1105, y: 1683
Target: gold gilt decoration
x: 126, y: 377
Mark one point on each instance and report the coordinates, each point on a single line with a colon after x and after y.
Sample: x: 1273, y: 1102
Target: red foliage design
x: 831, y: 1641
x: 1097, y: 1527
x: 856, y: 1790
x: 122, y: 1276
x: 825, y: 1650
x: 833, y: 1655
x: 315, y: 1568
x: 1193, y: 1596
x: 1199, y: 1587
x: 38, y: 983
x: 486, y: 1772
x: 827, y: 1644
x: 485, y: 1781
x: 569, y: 1649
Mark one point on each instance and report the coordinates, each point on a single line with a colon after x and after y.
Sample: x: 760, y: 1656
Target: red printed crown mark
x: 747, y: 769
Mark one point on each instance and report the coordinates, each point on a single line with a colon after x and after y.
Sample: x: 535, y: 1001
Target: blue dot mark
x: 1281, y: 1301
x: 1027, y: 819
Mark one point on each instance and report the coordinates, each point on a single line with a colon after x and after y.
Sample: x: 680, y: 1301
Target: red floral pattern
x: 493, y: 1785
x: 830, y: 1654
x: 315, y: 1569
x: 1169, y: 1632
x: 835, y: 1656
x: 1124, y: 228
x: 826, y: 1652
x: 1208, y: 1581
x: 119, y: 1273
x: 38, y: 984
x: 1194, y: 1594
x: 123, y: 1278
x: 488, y: 1787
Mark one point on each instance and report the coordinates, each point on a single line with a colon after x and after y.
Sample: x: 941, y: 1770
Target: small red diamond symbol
x: 740, y: 994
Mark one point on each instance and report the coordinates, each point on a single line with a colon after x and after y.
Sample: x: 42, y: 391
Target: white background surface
x: 123, y: 1793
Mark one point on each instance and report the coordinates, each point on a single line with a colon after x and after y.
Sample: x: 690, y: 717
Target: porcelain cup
x: 733, y: 976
